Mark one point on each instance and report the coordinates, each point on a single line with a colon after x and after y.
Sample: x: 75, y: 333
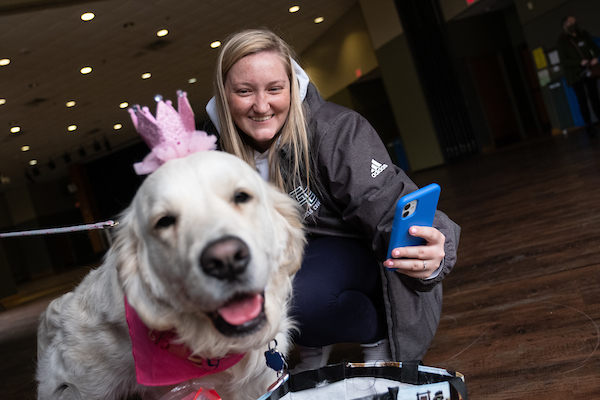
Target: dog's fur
x: 180, y: 209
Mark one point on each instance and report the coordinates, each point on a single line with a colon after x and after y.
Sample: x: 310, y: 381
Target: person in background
x: 267, y: 112
x: 578, y: 52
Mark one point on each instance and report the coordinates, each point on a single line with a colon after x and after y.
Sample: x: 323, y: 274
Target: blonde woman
x: 331, y: 160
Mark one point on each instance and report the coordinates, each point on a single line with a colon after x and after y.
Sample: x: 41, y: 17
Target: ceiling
x: 48, y: 43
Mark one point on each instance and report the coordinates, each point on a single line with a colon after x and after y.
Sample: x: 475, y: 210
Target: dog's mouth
x: 242, y: 315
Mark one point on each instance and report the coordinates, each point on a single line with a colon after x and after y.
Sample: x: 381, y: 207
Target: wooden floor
x: 522, y: 306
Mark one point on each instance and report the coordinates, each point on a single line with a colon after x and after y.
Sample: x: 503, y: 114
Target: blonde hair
x: 293, y: 134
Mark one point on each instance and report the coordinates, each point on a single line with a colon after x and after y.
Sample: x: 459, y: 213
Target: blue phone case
x: 426, y: 205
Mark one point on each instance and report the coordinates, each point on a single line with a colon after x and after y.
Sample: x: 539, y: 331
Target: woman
x: 577, y: 51
x: 330, y: 159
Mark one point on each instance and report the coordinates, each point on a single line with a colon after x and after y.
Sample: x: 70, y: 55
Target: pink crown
x: 170, y: 135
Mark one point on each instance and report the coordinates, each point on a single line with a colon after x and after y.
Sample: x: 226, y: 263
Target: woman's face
x: 570, y: 25
x: 258, y: 92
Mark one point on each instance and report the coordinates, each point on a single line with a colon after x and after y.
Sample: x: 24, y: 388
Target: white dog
x: 205, y: 256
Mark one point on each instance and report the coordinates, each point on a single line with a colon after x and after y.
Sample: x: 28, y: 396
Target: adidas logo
x: 376, y: 168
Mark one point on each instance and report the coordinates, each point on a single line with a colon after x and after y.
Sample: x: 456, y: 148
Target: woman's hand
x: 594, y: 61
x: 419, y: 261
x: 584, y: 62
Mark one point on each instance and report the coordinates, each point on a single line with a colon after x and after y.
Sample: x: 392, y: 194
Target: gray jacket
x: 355, y: 193
x: 359, y: 188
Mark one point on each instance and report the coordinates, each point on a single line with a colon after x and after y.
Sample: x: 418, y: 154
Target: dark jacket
x: 355, y: 196
x: 360, y: 187
x: 572, y: 50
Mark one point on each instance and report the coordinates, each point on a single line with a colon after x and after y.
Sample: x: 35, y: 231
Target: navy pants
x: 584, y: 89
x: 337, y: 294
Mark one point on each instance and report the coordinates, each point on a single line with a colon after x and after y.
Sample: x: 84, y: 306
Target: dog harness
x: 161, y: 361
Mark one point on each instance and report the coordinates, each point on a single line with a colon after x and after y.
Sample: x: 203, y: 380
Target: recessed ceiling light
x: 124, y: 104
x: 294, y: 9
x: 2, y: 101
x: 15, y: 129
x: 162, y: 32
x: 116, y: 127
x: 71, y: 128
x: 318, y: 20
x: 85, y: 70
x: 146, y: 75
x: 4, y: 61
x: 215, y: 44
x: 25, y: 148
x: 88, y: 16
x: 71, y: 103
x: 33, y: 162
x: 192, y: 80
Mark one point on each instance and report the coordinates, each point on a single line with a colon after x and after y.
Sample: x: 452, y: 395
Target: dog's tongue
x: 241, y: 311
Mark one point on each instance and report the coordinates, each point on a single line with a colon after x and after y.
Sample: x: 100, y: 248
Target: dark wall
x: 114, y: 181
x: 369, y: 98
x: 31, y: 256
x: 498, y: 38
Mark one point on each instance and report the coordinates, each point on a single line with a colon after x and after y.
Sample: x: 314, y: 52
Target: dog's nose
x: 226, y: 258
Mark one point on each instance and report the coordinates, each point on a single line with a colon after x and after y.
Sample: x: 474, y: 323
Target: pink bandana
x: 161, y: 362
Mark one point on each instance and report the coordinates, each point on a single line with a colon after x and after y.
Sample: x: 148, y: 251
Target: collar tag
x: 275, y: 359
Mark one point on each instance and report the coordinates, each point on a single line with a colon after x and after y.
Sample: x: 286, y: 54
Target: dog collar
x: 160, y: 361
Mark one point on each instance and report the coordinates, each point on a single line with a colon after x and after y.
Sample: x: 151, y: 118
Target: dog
x: 204, y: 256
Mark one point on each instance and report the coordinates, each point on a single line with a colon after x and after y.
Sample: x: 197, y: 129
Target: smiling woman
x: 267, y: 112
x: 258, y: 93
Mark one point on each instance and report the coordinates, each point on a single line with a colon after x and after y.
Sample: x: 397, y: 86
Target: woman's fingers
x: 419, y: 261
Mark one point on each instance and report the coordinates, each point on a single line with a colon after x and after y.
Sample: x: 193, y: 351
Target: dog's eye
x: 241, y: 197
x: 165, y: 222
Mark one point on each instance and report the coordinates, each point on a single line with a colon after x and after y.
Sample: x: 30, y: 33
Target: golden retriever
x: 206, y: 251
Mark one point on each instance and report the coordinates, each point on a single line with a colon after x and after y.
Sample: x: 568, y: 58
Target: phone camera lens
x: 405, y: 214
x: 406, y: 207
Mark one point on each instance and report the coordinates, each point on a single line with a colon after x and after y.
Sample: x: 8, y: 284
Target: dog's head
x: 208, y: 248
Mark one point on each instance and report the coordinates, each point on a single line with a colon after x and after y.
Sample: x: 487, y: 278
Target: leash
x: 66, y: 229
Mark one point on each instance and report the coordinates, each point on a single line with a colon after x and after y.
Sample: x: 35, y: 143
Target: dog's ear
x: 129, y: 255
x: 287, y: 215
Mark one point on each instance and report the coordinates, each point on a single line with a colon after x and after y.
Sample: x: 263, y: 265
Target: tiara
x: 172, y: 134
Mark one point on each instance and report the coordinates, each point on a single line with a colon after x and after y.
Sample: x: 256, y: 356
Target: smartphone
x: 416, y: 208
